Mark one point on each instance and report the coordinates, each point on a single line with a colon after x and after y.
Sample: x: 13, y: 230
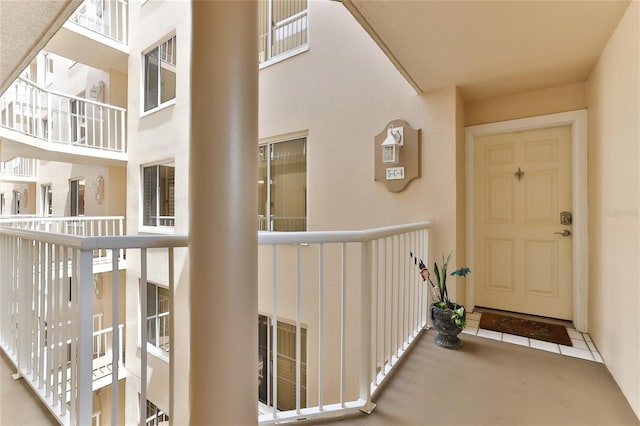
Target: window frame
x: 143, y: 77
x: 74, y: 197
x: 267, y: 217
x: 162, y: 229
x: 284, y: 325
x: 47, y: 199
x: 153, y: 348
x: 269, y: 57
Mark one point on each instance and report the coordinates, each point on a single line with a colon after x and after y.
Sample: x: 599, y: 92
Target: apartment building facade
x: 326, y: 89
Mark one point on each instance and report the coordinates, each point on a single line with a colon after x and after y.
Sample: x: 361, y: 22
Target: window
x: 45, y: 128
x: 78, y: 121
x: 158, y: 195
x: 2, y: 204
x: 160, y: 74
x: 48, y: 69
x: 77, y: 197
x: 286, y: 364
x: 158, y: 316
x: 47, y: 200
x: 17, y: 197
x: 282, y: 28
x: 282, y: 186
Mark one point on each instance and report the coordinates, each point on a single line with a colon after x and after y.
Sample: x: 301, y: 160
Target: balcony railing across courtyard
x: 357, y: 294
x: 106, y: 17
x: 83, y: 226
x: 18, y: 167
x: 62, y: 119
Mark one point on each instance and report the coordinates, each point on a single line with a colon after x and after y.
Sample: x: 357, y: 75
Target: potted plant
x: 449, y: 318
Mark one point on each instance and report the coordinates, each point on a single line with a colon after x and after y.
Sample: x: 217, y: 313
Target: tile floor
x: 582, y: 347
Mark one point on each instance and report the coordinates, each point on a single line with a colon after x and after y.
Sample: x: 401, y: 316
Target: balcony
x: 85, y: 226
x: 366, y: 263
x: 18, y: 169
x: 101, y: 27
x: 35, y: 122
x: 105, y: 17
x: 359, y: 297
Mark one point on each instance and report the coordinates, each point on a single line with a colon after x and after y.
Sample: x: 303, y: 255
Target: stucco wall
x: 343, y: 92
x: 528, y: 104
x: 339, y: 93
x: 155, y: 137
x: 58, y: 175
x: 614, y: 199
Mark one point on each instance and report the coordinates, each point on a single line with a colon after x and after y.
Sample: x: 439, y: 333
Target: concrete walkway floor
x: 490, y: 382
x: 19, y: 405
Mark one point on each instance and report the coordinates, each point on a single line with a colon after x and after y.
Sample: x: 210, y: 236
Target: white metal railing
x: 368, y: 305
x: 106, y: 17
x: 370, y: 272
x: 46, y: 301
x: 103, y: 346
x: 85, y: 226
x: 19, y: 167
x: 62, y: 119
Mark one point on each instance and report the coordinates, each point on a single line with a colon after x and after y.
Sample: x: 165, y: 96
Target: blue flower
x: 462, y: 272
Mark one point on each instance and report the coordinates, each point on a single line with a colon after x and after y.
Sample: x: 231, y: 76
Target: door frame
x: 580, y: 241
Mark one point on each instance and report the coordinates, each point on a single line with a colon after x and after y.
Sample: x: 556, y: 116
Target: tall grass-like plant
x: 438, y: 288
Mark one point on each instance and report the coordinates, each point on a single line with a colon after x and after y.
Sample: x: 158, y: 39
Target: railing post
x: 125, y: 14
x: 85, y: 338
x: 116, y: 343
x: 172, y: 328
x: 123, y: 130
x: 365, y: 328
x: 143, y: 336
x: 24, y: 290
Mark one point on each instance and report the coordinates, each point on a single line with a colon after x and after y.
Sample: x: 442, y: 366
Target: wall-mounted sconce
x: 97, y: 285
x: 392, y: 143
x: 99, y: 188
x: 97, y: 91
x: 397, y: 155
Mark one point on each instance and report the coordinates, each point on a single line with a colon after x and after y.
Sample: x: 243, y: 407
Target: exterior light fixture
x: 395, y: 171
x: 392, y: 143
x: 99, y: 188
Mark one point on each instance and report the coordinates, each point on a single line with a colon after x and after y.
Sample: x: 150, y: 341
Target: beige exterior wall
x: 73, y: 78
x: 27, y: 197
x: 461, y: 210
x: 614, y: 199
x: 58, y: 176
x: 161, y: 136
x: 529, y: 104
x: 341, y: 95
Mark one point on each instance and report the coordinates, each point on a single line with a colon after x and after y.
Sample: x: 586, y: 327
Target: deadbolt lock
x: 566, y: 218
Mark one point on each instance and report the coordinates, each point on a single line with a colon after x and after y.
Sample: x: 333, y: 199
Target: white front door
x: 522, y: 185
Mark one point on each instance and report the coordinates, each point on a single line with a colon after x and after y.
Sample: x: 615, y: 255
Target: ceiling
x: 490, y: 48
x: 25, y: 27
x: 487, y: 48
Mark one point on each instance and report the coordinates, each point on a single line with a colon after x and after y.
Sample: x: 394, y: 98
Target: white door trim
x: 578, y: 122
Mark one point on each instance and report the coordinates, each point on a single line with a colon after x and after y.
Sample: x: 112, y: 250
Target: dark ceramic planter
x: 448, y: 331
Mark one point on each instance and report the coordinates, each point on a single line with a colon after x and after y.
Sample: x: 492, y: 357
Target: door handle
x: 564, y: 233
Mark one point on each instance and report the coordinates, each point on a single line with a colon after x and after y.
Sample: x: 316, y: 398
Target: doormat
x: 522, y: 327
